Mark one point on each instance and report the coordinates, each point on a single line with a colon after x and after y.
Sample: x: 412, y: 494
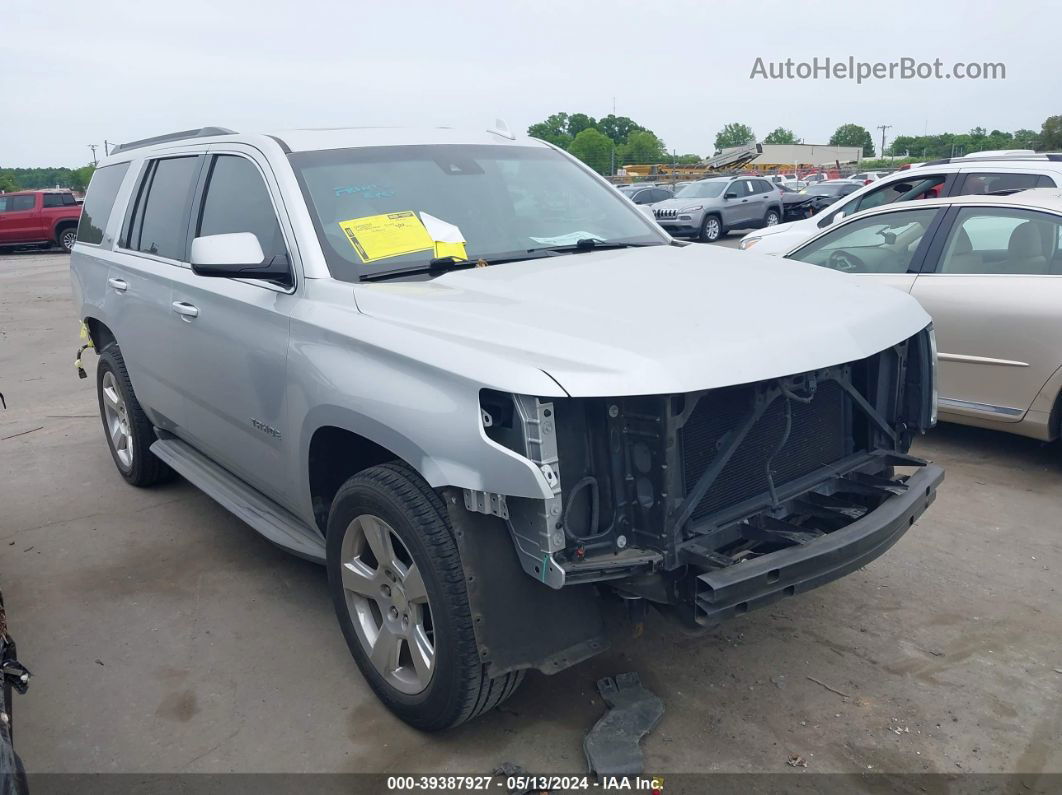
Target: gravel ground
x: 165, y: 635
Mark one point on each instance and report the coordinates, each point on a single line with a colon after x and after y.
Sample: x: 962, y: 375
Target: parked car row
x: 984, y: 258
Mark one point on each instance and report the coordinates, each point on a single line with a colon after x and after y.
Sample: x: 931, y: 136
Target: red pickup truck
x: 39, y: 217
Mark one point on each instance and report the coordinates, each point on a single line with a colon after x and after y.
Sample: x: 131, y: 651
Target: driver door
x: 885, y: 248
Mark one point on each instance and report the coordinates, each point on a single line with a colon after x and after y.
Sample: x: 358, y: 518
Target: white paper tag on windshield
x: 569, y: 239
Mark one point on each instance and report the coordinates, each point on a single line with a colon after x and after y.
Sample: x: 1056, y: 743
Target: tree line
x: 613, y: 141
x: 33, y: 178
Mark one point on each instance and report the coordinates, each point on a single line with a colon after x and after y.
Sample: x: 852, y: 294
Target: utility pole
x: 883, y: 128
x: 106, y: 147
x: 93, y: 147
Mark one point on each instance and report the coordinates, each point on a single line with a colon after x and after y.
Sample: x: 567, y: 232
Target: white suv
x: 959, y: 176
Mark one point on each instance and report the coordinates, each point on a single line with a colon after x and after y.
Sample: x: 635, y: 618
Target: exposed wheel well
x: 59, y: 227
x: 100, y: 335
x: 335, y: 455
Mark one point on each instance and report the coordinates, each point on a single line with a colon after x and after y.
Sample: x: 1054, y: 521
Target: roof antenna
x: 502, y: 129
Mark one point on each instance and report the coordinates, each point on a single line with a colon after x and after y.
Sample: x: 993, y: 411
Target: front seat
x: 1025, y: 251
x: 963, y: 259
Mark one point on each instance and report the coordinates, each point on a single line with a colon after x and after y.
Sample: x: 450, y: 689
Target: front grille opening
x: 820, y: 434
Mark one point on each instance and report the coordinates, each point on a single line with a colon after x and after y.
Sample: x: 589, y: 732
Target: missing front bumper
x: 725, y: 592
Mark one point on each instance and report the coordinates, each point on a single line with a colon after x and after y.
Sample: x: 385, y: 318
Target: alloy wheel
x: 116, y: 416
x: 388, y: 604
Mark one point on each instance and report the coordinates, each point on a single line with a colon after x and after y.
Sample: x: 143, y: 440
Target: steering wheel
x: 842, y: 260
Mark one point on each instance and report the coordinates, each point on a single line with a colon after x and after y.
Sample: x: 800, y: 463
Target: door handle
x: 121, y: 285
x: 185, y: 310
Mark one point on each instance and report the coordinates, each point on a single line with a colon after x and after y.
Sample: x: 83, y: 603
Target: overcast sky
x: 80, y: 72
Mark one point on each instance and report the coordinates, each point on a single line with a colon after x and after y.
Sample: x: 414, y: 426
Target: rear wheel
x: 711, y: 229
x: 398, y: 588
x: 67, y: 238
x: 128, y: 431
x: 772, y: 217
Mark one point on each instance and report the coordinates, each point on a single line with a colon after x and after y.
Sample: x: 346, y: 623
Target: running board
x: 276, y: 524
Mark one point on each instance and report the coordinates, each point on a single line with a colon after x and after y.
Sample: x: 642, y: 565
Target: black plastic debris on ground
x: 612, y: 745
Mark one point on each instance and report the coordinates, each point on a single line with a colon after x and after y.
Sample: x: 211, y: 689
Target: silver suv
x: 489, y: 394
x: 709, y: 208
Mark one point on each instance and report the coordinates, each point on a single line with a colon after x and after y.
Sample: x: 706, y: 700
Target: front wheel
x: 711, y: 229
x: 398, y: 587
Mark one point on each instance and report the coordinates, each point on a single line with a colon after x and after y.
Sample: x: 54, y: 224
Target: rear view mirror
x: 237, y: 255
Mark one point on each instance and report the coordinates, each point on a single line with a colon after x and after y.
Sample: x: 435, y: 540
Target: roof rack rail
x: 202, y: 132
x: 975, y: 158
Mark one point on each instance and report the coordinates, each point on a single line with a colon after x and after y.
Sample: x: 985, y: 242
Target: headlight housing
x: 692, y: 208
x: 748, y: 242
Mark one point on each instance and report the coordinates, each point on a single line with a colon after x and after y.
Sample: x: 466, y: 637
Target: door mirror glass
x: 235, y: 255
x: 730, y: 195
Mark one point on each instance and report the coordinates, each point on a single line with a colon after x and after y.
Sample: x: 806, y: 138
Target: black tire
x: 712, y: 229
x: 773, y: 216
x: 144, y: 469
x: 66, y: 237
x: 459, y: 688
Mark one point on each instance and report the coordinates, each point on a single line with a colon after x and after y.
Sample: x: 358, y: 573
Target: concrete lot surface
x: 165, y: 635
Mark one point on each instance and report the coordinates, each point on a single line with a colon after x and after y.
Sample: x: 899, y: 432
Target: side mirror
x: 236, y: 256
x: 837, y: 216
x: 730, y: 195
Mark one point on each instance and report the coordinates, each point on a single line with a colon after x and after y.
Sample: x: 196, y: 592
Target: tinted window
x: 53, y: 200
x: 997, y: 240
x: 237, y: 201
x: 68, y: 198
x: 883, y: 243
x: 159, y: 222
x: 1001, y: 183
x: 98, y: 202
x: 762, y: 186
x: 11, y: 204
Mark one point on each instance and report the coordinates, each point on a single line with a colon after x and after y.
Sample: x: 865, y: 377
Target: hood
x: 652, y: 320
x: 677, y: 204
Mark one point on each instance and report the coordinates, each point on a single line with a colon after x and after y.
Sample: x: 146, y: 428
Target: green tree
x: 734, y: 134
x: 594, y: 148
x: 1051, y: 134
x: 554, y: 129
x: 8, y: 182
x: 641, y: 147
x: 1026, y: 139
x: 79, y: 178
x: 780, y: 136
x: 853, y: 135
x: 618, y: 128
x: 578, y: 122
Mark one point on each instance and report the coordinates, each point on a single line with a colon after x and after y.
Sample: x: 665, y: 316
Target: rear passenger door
x: 20, y: 221
x: 995, y: 295
x: 150, y: 251
x: 231, y: 337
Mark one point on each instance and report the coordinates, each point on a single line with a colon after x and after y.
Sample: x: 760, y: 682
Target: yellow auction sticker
x: 377, y: 237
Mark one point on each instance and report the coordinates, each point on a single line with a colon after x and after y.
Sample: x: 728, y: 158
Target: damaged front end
x: 722, y: 500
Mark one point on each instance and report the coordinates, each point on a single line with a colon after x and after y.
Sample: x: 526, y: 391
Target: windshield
x: 380, y: 209
x: 701, y: 190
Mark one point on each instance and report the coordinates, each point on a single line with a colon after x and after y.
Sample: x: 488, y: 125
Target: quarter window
x: 237, y: 201
x: 883, y: 243
x: 1003, y: 241
x: 1002, y: 183
x: 99, y: 201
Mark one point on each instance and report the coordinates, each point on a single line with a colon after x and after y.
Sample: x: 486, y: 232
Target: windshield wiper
x: 440, y: 265
x: 589, y: 244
